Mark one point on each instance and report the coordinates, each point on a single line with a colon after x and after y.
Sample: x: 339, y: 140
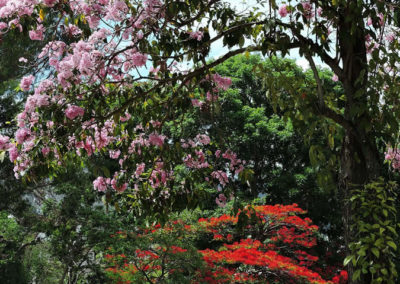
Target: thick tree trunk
x: 360, y: 162
x: 358, y: 168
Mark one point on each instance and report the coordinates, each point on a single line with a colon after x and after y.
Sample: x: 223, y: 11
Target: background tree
x: 277, y: 159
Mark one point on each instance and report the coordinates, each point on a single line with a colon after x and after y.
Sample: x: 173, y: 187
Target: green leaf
x: 331, y: 141
x: 375, y: 251
x: 347, y: 259
x: 378, y: 242
x: 357, y: 274
x: 392, y: 244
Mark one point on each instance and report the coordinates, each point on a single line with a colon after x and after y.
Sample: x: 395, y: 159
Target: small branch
x: 321, y: 102
x: 315, y: 48
x: 322, y: 108
x: 34, y: 242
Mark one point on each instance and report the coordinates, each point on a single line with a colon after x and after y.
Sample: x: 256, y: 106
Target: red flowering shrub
x: 261, y: 244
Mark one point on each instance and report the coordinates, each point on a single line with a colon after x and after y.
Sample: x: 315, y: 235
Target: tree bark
x: 360, y: 162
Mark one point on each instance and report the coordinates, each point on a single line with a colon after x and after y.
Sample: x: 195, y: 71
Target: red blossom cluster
x: 275, y: 250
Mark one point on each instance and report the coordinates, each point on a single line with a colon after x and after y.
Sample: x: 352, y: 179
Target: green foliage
x: 11, y: 240
x: 375, y: 231
x: 40, y: 264
x: 292, y: 92
x: 77, y: 226
x: 11, y: 236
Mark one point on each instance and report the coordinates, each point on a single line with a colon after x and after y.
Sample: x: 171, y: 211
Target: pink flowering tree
x: 122, y: 69
x: 115, y: 81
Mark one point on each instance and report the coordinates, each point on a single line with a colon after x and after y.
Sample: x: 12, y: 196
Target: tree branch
x: 320, y: 91
x: 315, y: 48
x: 322, y: 108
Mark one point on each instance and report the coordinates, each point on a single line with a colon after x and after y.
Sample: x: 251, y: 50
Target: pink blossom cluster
x: 37, y: 34
x: 393, y: 156
x: 197, y: 162
x: 4, y: 142
x: 283, y: 10
x: 222, y: 82
x: 221, y: 176
x: 73, y: 111
x: 221, y: 200
x: 101, y: 184
x: 26, y: 82
x: 198, y: 35
x: 236, y: 165
x: 307, y: 10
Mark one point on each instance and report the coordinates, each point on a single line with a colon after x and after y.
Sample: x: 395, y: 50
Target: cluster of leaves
x: 11, y: 239
x: 375, y: 229
x: 259, y: 244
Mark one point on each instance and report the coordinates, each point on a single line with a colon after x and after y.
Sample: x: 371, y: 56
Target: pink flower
x: 154, y: 70
x: 22, y: 134
x: 26, y: 82
x: 155, y: 123
x: 222, y: 82
x: 73, y: 111
x: 319, y: 11
x: 13, y: 153
x: 389, y: 155
x: 335, y: 78
x: 100, y: 184
x: 211, y: 97
x: 156, y: 139
x: 283, y: 11
x: 306, y: 6
x: 381, y: 19
x: 221, y: 176
x: 37, y: 34
x: 42, y: 100
x: 23, y: 59
x: 139, y: 59
x: 196, y: 35
x: 221, y: 200
x: 49, y: 3
x: 126, y: 117
x: 390, y: 37
x: 197, y: 103
x: 203, y: 139
x: 73, y: 30
x: 369, y: 22
x: 45, y: 151
x: 4, y: 142
x: 21, y: 119
x: 139, y: 170
x: 114, y: 154
x: 308, y: 13
x: 120, y: 188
